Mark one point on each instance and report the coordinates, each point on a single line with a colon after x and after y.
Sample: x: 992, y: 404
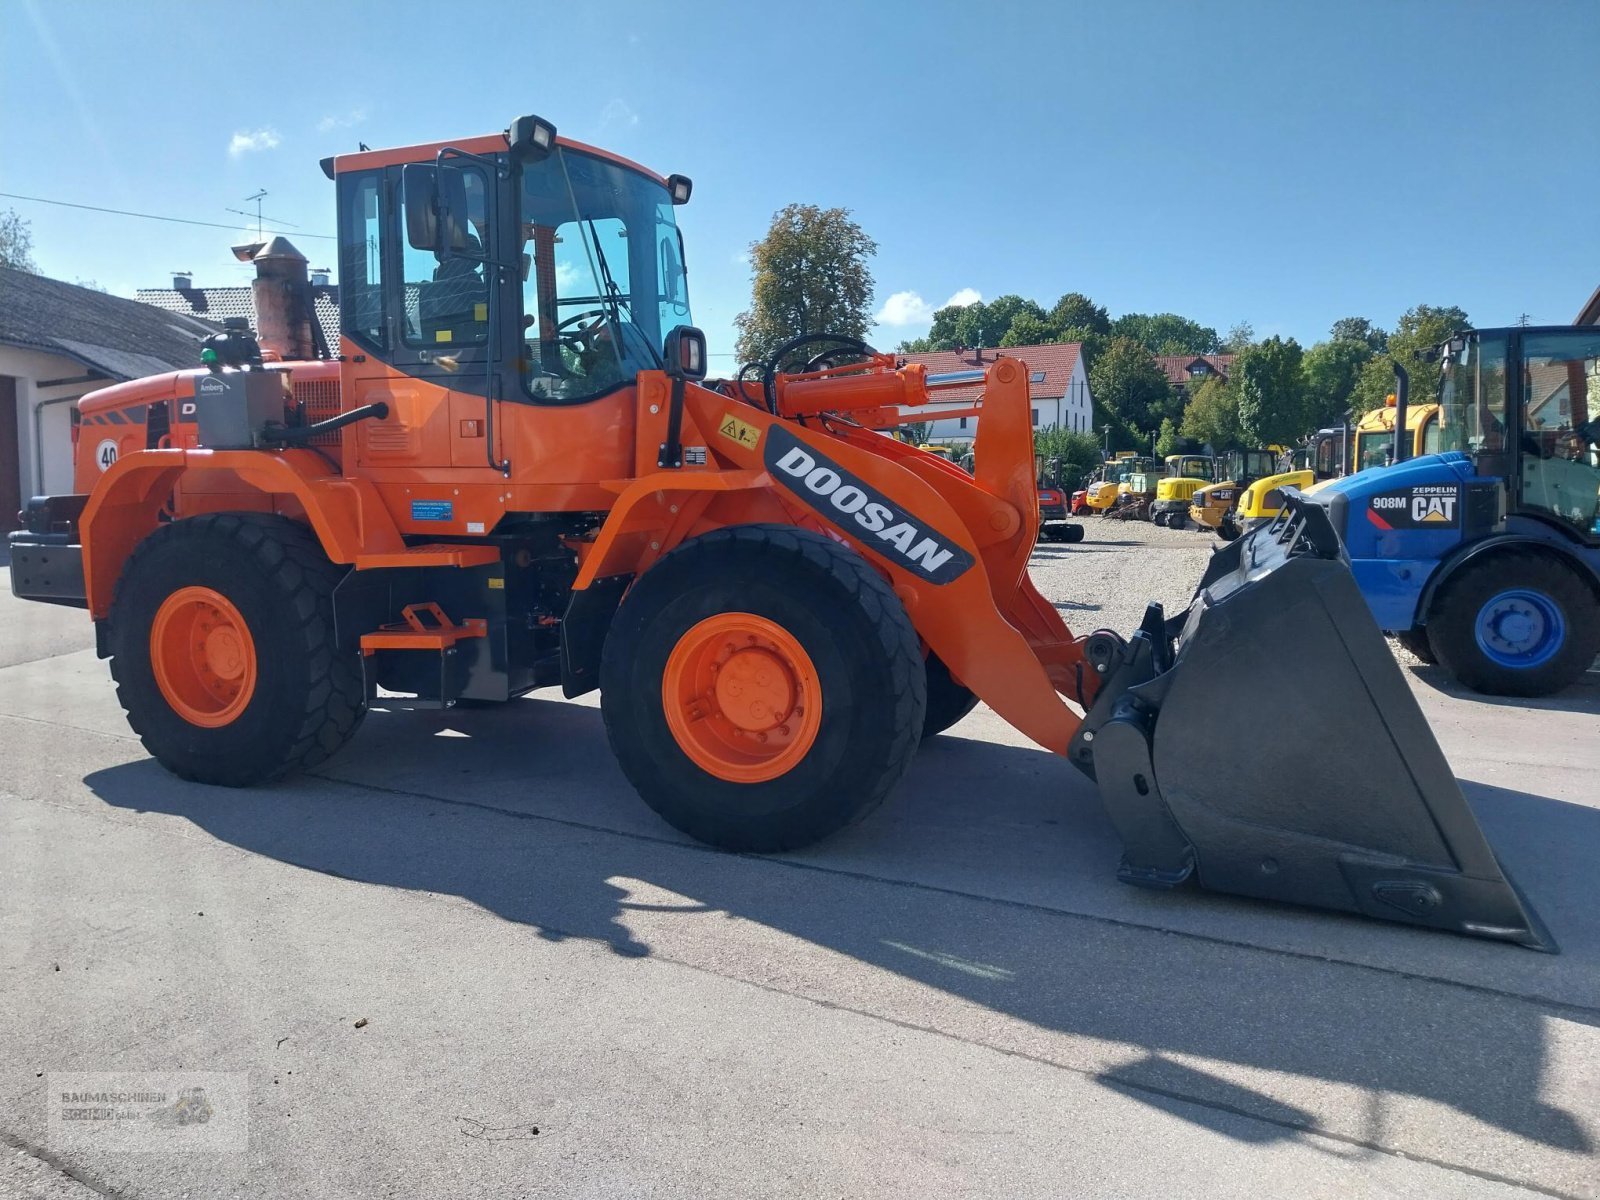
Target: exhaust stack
x: 283, y: 301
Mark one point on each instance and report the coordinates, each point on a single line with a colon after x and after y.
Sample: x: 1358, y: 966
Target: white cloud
x: 617, y: 113
x: 344, y: 120
x: 244, y: 142
x: 909, y: 308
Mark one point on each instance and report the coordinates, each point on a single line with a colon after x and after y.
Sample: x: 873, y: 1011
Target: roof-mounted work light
x: 532, y: 136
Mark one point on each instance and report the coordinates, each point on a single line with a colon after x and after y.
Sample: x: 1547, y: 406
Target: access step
x: 433, y: 554
x: 425, y: 627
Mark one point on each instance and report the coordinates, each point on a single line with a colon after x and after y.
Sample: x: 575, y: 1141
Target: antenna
x: 260, y: 237
x: 1524, y: 320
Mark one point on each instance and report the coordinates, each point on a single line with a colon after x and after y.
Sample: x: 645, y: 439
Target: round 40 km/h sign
x: 105, y: 454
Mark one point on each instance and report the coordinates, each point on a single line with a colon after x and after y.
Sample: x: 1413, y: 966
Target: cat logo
x: 1433, y: 510
x: 1421, y: 506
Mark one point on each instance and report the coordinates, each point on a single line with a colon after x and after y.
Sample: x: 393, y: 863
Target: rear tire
x: 835, y: 629
x: 1516, y: 624
x: 1074, y: 533
x: 228, y: 618
x: 1160, y: 519
x: 1228, y: 529
x: 1177, y: 521
x: 948, y: 701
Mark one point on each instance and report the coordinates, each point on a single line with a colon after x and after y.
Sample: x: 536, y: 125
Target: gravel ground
x: 1104, y: 581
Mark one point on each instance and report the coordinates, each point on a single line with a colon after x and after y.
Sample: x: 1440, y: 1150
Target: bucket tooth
x: 1344, y: 801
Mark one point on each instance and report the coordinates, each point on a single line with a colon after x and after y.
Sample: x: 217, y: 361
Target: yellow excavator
x: 1186, y: 475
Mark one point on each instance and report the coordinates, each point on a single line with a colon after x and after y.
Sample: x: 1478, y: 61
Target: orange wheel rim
x: 203, y: 656
x: 742, y: 697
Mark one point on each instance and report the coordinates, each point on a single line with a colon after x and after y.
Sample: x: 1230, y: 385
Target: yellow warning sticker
x: 480, y: 312
x: 735, y: 430
x: 496, y: 584
x: 442, y: 335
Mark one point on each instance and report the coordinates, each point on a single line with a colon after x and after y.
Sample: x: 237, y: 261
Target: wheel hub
x: 754, y: 689
x: 742, y: 697
x: 1519, y: 629
x: 203, y: 657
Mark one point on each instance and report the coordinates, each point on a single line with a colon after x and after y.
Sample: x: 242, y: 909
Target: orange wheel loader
x: 512, y: 474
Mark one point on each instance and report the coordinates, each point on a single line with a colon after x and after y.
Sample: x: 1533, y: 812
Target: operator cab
x: 1524, y: 405
x: 554, y: 269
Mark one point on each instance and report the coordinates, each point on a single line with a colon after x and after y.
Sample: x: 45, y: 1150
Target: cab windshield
x: 603, y: 274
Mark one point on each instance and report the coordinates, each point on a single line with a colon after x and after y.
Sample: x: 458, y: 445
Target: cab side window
x: 447, y: 303
x: 360, y: 276
x: 1560, y: 435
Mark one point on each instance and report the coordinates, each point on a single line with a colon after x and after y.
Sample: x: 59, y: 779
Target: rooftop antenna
x: 260, y: 237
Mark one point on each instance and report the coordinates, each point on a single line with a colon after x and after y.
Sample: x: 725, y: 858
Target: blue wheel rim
x: 1520, y: 629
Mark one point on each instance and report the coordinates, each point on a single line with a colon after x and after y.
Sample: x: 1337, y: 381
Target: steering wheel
x: 578, y: 339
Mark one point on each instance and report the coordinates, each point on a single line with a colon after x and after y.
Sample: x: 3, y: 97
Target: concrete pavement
x: 953, y: 998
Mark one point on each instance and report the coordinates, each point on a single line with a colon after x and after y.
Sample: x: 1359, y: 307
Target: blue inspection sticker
x: 432, y: 510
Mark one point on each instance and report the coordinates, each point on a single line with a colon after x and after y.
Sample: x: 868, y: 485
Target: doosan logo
x: 845, y: 500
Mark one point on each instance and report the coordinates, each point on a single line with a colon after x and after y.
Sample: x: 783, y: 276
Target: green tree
x: 1168, y: 441
x: 1359, y: 329
x: 1271, y: 392
x: 1127, y: 382
x: 1029, y: 330
x: 1419, y: 329
x: 1079, y: 453
x: 1077, y: 311
x: 1212, y: 416
x: 810, y: 275
x: 16, y: 243
x: 1240, y: 338
x: 1332, y: 370
x: 1167, y: 333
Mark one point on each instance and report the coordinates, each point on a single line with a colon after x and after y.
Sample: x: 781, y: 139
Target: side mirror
x: 436, y: 208
x: 421, y: 205
x: 685, y: 353
x: 455, y: 232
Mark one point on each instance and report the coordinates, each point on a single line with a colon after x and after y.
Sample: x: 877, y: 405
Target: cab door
x: 1558, y: 452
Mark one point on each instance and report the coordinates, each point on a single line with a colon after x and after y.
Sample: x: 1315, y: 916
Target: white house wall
x: 1075, y: 410
x: 44, y: 420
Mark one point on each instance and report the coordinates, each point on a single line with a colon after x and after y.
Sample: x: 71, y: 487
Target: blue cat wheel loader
x: 1485, y: 557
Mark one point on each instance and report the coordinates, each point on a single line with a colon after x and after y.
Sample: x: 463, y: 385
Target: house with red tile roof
x: 1058, y: 386
x: 1191, y: 370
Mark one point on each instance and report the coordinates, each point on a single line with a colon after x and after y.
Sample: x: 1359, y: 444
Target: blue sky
x: 1284, y: 163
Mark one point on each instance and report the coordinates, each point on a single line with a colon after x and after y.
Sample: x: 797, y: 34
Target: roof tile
x: 1055, y: 360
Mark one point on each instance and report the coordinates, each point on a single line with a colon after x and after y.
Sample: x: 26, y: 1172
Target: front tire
x: 948, y: 701
x: 1516, y: 625
x: 762, y: 688
x: 223, y: 650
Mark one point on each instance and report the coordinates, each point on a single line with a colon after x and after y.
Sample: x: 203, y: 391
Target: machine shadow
x: 522, y: 811
x: 1581, y: 697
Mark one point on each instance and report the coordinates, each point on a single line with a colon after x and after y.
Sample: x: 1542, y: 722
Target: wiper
x: 613, y: 292
x: 614, y: 296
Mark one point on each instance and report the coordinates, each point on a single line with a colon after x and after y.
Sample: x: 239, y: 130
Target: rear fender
x: 128, y: 502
